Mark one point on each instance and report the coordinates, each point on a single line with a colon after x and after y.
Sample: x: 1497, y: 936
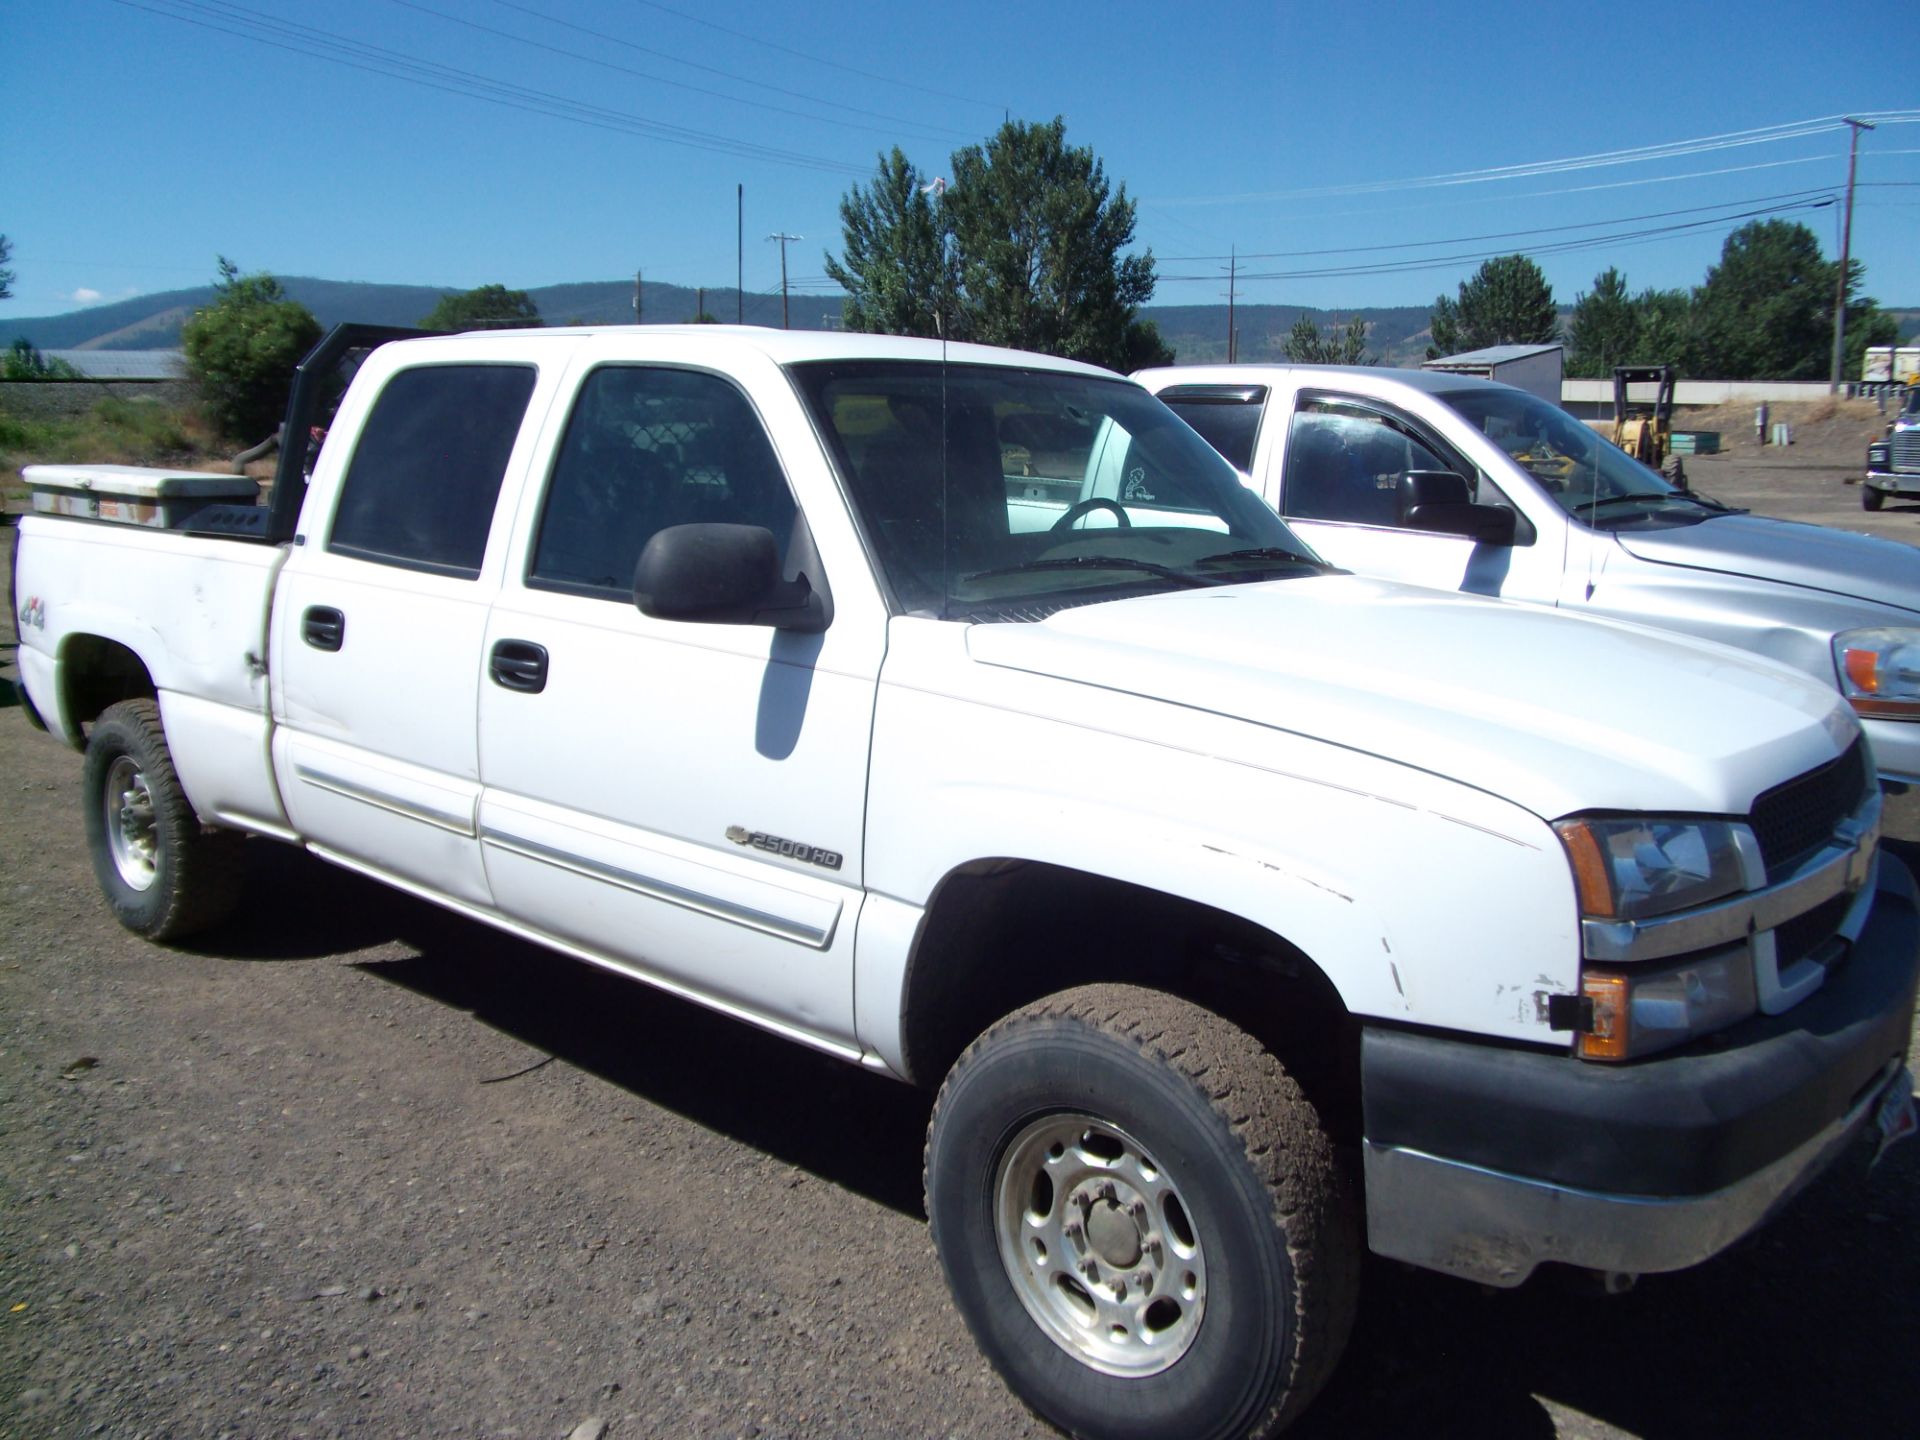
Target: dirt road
x: 358, y: 1167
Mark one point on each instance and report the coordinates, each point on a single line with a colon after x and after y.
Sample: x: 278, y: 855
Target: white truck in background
x: 1467, y: 484
x: 1245, y: 913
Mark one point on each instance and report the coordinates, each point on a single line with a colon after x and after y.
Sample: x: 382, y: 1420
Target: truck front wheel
x: 1141, y: 1218
x: 1870, y: 498
x: 162, y: 876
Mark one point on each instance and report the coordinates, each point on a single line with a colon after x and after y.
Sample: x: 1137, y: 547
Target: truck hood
x: 1812, y: 557
x: 1553, y: 712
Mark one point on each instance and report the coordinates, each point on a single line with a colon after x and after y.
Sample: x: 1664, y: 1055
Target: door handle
x: 518, y: 665
x: 323, y: 627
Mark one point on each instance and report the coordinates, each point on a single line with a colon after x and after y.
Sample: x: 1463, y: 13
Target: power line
x: 1790, y: 195
x: 1566, y: 247
x: 696, y: 65
x: 820, y: 59
x: 395, y: 65
x: 1632, y: 155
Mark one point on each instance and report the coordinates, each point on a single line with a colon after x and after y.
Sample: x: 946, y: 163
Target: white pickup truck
x: 1243, y: 911
x: 1465, y: 484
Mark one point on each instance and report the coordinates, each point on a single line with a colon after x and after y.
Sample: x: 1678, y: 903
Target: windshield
x: 996, y: 493
x: 1912, y: 407
x: 1587, y: 476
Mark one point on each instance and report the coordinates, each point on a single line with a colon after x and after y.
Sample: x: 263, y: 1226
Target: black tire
x: 163, y: 876
x: 1870, y: 498
x: 1269, y: 1268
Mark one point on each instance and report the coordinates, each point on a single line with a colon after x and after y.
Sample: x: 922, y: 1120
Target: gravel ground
x: 356, y: 1166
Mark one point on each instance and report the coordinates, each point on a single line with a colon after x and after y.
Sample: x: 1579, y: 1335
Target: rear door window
x: 420, y: 490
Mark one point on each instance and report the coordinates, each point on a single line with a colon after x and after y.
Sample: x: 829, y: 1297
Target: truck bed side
x: 109, y: 612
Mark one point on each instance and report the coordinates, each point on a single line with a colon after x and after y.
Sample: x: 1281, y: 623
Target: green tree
x: 242, y: 350
x: 1308, y: 345
x: 1022, y: 249
x: 1507, y: 302
x: 1765, y: 311
x: 490, y: 307
x: 1038, y: 234
x: 1604, y: 329
x: 6, y: 275
x: 894, y: 263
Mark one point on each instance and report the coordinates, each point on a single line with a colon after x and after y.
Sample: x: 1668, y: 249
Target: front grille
x: 1793, y: 820
x: 1906, y: 450
x: 1802, y: 935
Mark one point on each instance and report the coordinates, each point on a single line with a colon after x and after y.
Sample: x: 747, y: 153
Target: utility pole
x: 1233, y: 275
x: 700, y: 304
x: 784, y: 240
x: 636, y: 297
x: 1846, y: 259
x: 739, y: 254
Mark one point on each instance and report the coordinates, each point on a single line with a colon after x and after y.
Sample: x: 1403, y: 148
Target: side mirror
x: 723, y: 575
x: 1440, y: 502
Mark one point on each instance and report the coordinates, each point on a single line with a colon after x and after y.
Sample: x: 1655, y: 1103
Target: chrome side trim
x: 767, y: 923
x: 381, y: 800
x: 841, y: 1048
x: 1843, y: 866
x: 1495, y: 1228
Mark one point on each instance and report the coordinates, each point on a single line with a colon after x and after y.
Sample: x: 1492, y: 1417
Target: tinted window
x: 1229, y: 426
x: 421, y: 487
x: 998, y: 493
x: 645, y: 449
x: 1344, y: 462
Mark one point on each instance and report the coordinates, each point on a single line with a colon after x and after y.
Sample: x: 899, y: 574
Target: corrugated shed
x: 124, y: 364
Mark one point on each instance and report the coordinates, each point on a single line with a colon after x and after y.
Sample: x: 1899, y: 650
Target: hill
x: 1197, y: 333
x: 152, y: 322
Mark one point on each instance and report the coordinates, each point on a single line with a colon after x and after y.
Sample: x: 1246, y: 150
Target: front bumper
x: 1889, y: 482
x: 1484, y: 1162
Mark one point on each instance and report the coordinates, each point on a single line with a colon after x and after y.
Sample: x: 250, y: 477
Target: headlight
x: 1879, y: 671
x: 1629, y: 869
x: 1637, y: 1012
x: 1879, y: 456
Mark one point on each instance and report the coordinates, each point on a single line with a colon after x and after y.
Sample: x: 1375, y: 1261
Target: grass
x: 116, y: 431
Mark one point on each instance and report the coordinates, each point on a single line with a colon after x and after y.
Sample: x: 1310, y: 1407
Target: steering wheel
x: 1087, y: 507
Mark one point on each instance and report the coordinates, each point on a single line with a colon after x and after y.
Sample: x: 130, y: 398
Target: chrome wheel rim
x: 1099, y: 1245
x: 133, y: 836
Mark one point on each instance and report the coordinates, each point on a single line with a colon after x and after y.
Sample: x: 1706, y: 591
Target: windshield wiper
x: 1661, y: 497
x: 1092, y: 562
x: 1264, y: 552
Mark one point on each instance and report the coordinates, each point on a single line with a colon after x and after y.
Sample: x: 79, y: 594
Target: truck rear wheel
x: 1141, y: 1218
x: 163, y: 877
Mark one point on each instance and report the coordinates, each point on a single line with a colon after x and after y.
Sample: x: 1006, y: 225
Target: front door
x: 1339, y: 487
x: 682, y: 801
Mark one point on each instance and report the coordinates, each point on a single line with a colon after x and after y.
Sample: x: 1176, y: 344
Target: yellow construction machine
x: 1644, y: 429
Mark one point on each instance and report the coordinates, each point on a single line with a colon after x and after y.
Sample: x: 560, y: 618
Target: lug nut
x: 1109, y: 1191
x: 1144, y: 1279
x: 1138, y: 1209
x: 1090, y: 1269
x: 1119, y: 1289
x: 1074, y: 1230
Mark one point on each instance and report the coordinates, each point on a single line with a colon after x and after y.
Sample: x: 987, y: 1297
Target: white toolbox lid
x: 140, y: 483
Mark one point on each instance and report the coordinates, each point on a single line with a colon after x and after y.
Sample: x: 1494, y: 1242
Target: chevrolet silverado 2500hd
x: 1239, y: 908
x: 1466, y: 484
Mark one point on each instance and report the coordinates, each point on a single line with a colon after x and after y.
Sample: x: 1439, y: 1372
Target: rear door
x: 379, y: 617
x: 681, y: 801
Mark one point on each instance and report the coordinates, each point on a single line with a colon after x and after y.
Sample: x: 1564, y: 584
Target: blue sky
x: 143, y: 137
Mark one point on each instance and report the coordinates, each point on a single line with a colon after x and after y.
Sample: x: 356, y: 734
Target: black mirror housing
x: 1441, y: 502
x: 723, y: 575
